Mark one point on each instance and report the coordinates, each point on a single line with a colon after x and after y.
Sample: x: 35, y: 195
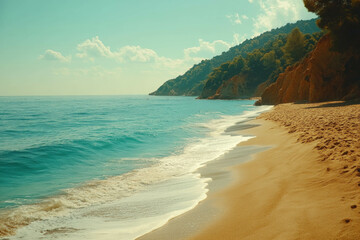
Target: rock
x: 258, y: 103
x: 321, y: 76
x: 234, y: 88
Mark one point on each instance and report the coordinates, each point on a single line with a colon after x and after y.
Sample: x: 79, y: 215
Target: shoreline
x: 166, y: 189
x: 294, y: 190
x: 223, y: 175
x: 208, y: 210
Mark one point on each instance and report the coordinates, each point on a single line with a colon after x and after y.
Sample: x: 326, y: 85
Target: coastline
x: 298, y: 189
x: 129, y: 205
x: 223, y: 175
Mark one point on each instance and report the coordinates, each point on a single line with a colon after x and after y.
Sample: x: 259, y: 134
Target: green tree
x: 254, y: 60
x: 237, y: 65
x: 269, y: 60
x: 341, y: 18
x: 295, y: 46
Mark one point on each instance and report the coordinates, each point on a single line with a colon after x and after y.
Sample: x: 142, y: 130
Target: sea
x: 108, y: 167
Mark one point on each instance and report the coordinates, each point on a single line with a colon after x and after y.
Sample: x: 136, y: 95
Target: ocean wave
x: 103, y: 191
x: 98, y: 192
x: 29, y: 158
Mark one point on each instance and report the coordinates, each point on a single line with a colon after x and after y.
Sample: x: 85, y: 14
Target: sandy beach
x: 306, y: 186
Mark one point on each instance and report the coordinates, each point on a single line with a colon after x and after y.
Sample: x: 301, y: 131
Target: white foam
x: 126, y: 218
x: 130, y: 205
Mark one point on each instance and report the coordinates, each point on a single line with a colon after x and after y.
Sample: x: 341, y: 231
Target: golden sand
x: 306, y: 187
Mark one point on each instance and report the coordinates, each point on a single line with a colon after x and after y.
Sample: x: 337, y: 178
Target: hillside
x: 331, y: 71
x: 322, y: 76
x: 192, y: 82
x: 247, y: 77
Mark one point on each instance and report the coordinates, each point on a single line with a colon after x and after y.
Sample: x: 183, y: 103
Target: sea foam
x: 132, y: 204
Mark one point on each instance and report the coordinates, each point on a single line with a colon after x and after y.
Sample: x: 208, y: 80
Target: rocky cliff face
x: 233, y: 88
x: 321, y: 76
x: 239, y: 87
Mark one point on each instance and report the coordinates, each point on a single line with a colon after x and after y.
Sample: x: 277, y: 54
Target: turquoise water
x: 86, y: 151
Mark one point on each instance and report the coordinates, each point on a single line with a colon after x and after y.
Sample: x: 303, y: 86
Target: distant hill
x: 193, y: 81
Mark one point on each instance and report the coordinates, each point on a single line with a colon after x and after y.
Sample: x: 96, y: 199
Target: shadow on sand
x: 337, y: 104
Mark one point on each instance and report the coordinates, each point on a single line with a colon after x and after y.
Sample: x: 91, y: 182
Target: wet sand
x: 208, y: 211
x: 307, y: 186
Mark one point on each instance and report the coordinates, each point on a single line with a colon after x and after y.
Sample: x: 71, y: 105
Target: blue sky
x: 86, y: 47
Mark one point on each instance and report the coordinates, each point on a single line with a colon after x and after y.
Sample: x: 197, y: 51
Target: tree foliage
x: 269, y: 61
x: 295, y: 46
x: 341, y: 18
x: 193, y: 81
x: 263, y: 64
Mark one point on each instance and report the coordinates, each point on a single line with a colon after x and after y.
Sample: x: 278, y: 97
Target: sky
x: 114, y: 47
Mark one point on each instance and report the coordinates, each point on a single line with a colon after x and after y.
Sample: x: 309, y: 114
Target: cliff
x: 321, y: 76
x: 235, y: 87
x: 246, y: 77
x: 241, y: 86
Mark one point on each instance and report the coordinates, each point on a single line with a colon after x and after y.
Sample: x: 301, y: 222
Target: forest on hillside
x: 192, y: 82
x: 331, y: 71
x: 260, y: 67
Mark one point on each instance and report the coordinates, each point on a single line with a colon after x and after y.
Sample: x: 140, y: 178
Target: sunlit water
x: 107, y: 167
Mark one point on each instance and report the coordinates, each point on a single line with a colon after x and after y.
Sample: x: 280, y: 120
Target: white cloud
x: 52, y: 55
x: 206, y: 48
x: 234, y: 18
x: 136, y: 54
x: 274, y: 13
x: 237, y: 39
x: 193, y: 55
x: 93, y: 48
x: 119, y: 70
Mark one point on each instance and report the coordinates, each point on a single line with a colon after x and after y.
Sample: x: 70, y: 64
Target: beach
x: 304, y: 186
x: 180, y: 120
x: 95, y: 172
